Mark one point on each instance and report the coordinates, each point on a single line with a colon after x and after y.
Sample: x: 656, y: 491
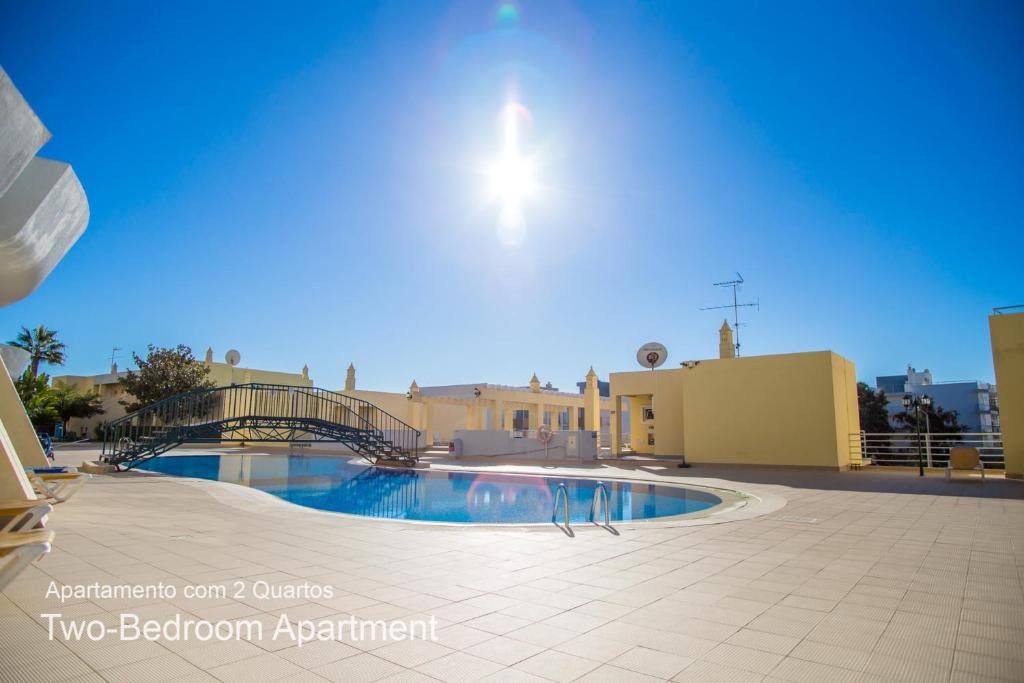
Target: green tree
x: 874, y: 410
x: 42, y: 346
x: 69, y: 402
x: 41, y: 410
x: 162, y: 374
x: 933, y: 419
x: 42, y: 413
x: 29, y: 386
x: 35, y: 396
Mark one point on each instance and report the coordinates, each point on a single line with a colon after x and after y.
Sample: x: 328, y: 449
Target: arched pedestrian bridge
x: 260, y: 413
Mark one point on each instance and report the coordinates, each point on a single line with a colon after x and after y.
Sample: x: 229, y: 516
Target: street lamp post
x: 915, y: 402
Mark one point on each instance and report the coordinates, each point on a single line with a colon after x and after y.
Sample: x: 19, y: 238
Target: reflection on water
x: 337, y: 485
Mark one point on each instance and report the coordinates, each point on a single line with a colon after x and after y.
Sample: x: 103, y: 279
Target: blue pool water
x: 338, y: 485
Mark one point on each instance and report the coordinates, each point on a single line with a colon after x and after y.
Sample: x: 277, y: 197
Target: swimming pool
x: 337, y: 484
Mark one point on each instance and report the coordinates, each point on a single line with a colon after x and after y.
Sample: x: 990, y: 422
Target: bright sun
x: 512, y: 179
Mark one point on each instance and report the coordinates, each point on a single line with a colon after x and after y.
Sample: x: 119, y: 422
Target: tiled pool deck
x: 860, y: 576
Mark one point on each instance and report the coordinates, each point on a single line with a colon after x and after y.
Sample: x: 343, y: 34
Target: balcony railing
x: 900, y: 449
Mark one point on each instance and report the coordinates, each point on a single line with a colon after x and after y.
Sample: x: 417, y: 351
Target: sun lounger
x: 22, y: 515
x: 59, y: 487
x: 964, y: 458
x: 18, y: 550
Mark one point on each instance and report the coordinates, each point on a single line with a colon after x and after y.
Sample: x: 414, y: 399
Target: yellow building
x: 438, y: 411
x: 111, y: 393
x: 1007, y: 332
x: 786, y: 409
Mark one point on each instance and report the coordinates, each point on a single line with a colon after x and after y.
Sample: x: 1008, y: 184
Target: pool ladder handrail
x: 561, y: 493
x: 600, y: 499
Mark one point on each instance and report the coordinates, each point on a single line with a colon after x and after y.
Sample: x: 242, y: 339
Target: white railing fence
x: 901, y: 448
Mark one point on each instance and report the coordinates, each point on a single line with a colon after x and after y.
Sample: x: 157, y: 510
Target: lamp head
x: 926, y: 400
x: 906, y: 401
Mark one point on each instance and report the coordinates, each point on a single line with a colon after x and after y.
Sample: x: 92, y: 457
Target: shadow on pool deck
x: 868, y: 480
x: 872, y: 480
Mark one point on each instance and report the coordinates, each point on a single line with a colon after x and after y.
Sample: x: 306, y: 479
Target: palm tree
x: 42, y: 346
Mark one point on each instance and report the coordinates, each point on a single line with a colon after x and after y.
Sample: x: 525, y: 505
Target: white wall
x: 564, y: 445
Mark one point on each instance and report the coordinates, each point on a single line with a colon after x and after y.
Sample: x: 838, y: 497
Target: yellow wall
x: 445, y: 418
x: 1007, y: 332
x: 787, y: 409
x: 110, y: 391
x: 443, y: 415
x: 638, y: 429
x: 390, y: 402
x: 224, y: 375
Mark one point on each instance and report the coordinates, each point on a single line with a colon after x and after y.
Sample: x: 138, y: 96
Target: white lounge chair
x: 20, y: 549
x: 59, y: 487
x: 22, y: 515
x: 964, y: 458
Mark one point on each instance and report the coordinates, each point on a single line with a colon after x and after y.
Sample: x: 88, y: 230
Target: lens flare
x: 513, y: 177
x: 508, y: 15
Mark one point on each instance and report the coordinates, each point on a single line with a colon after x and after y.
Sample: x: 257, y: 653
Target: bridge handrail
x: 182, y: 410
x: 256, y: 385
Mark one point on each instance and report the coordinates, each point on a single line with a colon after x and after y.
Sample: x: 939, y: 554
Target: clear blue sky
x: 303, y: 181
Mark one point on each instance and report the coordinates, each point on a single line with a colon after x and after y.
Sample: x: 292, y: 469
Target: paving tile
x: 703, y: 671
x: 779, y: 626
x: 988, y: 666
x: 51, y: 669
x: 498, y: 624
x: 542, y: 634
x: 361, y: 668
x: 803, y: 671
x: 593, y: 646
x: 169, y: 667
x: 652, y: 662
x: 318, y: 653
x: 833, y: 655
x: 459, y: 667
x: 301, y: 676
x: 266, y: 667
x: 511, y: 675
x: 744, y: 658
x: 613, y: 674
x: 532, y: 612
x: 460, y: 637
x: 761, y: 640
x: 412, y: 653
x: 557, y: 666
x: 901, y: 585
x: 407, y: 677
x: 504, y: 650
x: 902, y: 669
x: 216, y: 654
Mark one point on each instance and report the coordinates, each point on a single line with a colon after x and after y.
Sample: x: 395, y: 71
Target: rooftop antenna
x: 735, y: 306
x: 113, y: 354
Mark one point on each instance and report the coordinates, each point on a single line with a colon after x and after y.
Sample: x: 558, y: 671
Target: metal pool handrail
x: 600, y: 499
x: 561, y: 493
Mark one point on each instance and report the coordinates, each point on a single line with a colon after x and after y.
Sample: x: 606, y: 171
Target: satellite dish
x: 232, y: 357
x: 651, y: 355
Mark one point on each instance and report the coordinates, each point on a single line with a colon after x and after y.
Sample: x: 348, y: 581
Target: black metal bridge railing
x: 260, y: 412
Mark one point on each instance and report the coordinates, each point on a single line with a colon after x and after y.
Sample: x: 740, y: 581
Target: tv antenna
x: 735, y: 306
x: 113, y: 355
